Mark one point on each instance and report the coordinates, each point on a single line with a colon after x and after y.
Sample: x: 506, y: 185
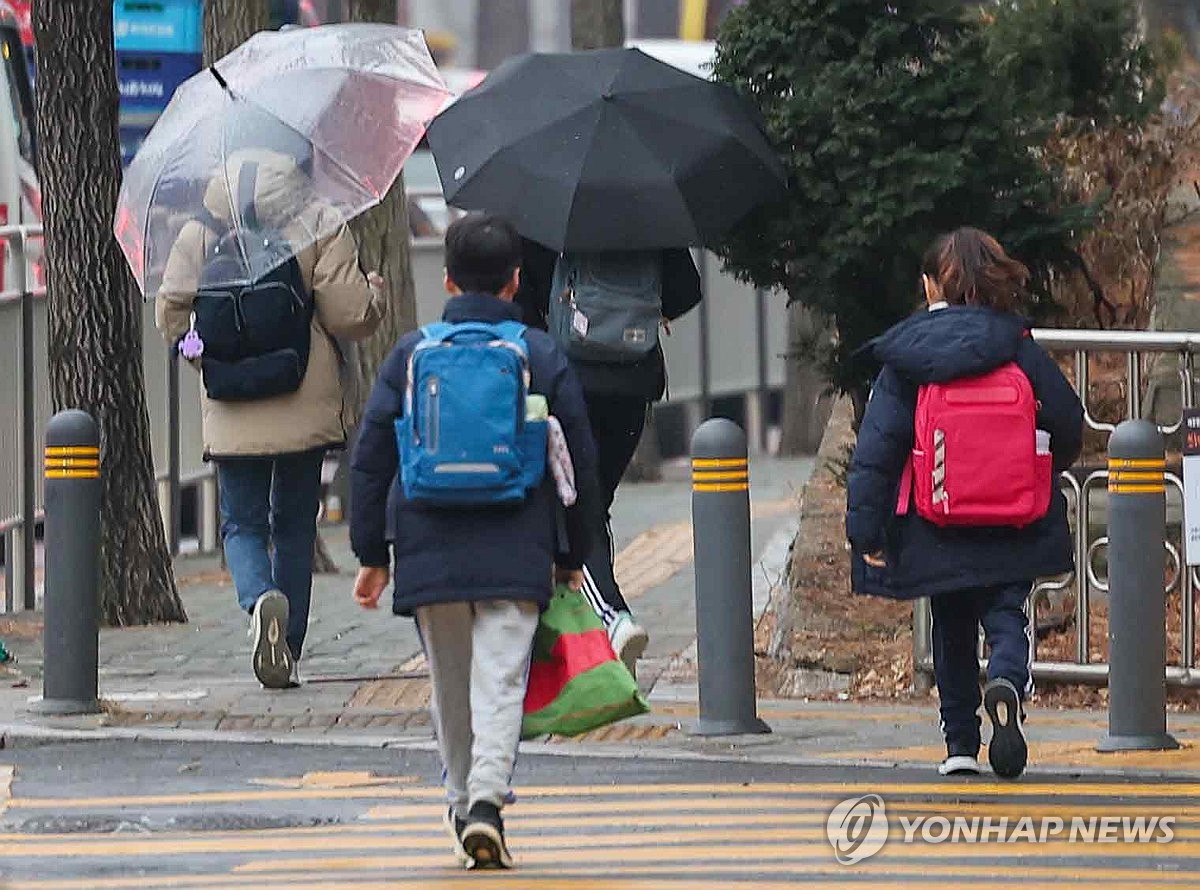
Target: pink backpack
x: 975, y: 458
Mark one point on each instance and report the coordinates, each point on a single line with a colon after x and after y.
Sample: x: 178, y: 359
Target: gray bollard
x: 724, y: 601
x: 72, y: 619
x: 1137, y: 644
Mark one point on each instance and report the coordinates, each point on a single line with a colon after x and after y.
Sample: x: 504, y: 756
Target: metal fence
x: 1087, y: 496
x: 174, y: 410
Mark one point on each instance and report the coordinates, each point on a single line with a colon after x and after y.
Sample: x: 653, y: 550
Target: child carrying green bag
x: 449, y: 460
x: 576, y: 681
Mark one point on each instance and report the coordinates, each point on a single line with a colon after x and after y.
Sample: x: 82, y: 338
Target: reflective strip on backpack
x: 939, y: 470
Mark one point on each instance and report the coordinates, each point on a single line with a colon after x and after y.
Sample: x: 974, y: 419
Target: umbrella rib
x: 346, y: 171
x: 535, y: 134
x: 437, y: 85
x: 150, y: 199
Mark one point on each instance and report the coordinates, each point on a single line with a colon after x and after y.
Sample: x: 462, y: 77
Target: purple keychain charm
x: 191, y: 347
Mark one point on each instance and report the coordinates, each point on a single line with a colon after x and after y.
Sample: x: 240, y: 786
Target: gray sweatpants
x: 478, y: 657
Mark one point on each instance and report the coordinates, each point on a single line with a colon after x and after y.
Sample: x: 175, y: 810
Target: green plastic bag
x: 576, y: 682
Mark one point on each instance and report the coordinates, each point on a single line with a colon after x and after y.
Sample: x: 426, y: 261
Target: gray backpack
x: 606, y: 307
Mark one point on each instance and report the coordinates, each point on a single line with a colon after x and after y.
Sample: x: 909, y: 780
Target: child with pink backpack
x: 953, y: 490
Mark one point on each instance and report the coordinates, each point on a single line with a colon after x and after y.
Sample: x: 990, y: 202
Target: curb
x: 753, y: 754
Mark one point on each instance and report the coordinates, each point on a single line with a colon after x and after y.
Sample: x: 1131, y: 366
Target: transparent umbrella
x: 294, y: 132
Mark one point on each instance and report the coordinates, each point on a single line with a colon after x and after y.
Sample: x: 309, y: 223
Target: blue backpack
x: 464, y: 439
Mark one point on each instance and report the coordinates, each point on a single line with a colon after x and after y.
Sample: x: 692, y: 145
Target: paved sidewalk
x: 364, y: 669
x: 367, y: 684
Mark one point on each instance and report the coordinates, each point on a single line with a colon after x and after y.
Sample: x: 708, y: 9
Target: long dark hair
x: 971, y: 268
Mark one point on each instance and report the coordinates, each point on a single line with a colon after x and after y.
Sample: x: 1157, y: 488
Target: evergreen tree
x: 893, y: 128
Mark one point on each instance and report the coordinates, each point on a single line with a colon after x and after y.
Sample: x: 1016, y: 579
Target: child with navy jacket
x: 474, y: 578
x: 974, y: 575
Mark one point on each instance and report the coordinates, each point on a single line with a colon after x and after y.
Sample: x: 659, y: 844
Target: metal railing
x: 26, y: 389
x: 19, y: 530
x: 1080, y: 485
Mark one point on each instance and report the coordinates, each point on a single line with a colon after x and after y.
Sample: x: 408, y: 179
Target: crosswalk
x: 385, y: 831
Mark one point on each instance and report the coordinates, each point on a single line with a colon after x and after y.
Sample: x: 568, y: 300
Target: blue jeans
x: 269, y: 526
x: 956, y: 620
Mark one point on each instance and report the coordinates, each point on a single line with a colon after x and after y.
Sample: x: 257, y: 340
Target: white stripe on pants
x: 591, y: 592
x: 478, y: 655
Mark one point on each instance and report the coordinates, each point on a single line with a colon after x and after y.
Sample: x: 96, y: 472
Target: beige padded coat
x: 345, y: 307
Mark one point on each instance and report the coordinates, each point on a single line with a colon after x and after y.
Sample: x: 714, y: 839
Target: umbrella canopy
x: 295, y: 131
x: 605, y: 150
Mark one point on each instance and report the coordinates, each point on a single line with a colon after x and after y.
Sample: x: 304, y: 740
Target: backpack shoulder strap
x: 904, y: 492
x: 436, y: 332
x: 511, y: 330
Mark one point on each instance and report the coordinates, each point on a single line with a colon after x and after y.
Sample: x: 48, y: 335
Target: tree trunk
x: 95, y: 318
x: 383, y: 246
x: 597, y: 23
x: 803, y: 388
x: 230, y: 23
x: 384, y: 242
x: 503, y: 30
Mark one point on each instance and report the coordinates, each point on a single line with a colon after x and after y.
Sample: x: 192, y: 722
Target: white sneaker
x: 959, y: 765
x: 455, y: 828
x: 629, y: 640
x: 270, y: 657
x: 294, y: 682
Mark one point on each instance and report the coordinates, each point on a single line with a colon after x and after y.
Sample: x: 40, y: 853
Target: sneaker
x: 270, y: 658
x: 483, y: 838
x: 1007, y: 752
x: 455, y: 828
x: 294, y: 680
x: 629, y: 640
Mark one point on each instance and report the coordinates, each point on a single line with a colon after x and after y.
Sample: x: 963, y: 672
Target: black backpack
x: 256, y: 336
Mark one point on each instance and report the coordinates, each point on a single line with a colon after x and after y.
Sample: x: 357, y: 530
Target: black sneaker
x: 483, y: 838
x: 1007, y: 752
x: 455, y: 828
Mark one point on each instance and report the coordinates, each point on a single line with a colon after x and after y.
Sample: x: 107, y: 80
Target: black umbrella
x: 605, y: 150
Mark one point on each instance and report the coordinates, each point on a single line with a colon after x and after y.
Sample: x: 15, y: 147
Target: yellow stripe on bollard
x: 1132, y: 464
x: 72, y: 462
x: 721, y: 476
x: 1134, y: 476
x: 720, y: 463
x: 721, y: 486
x: 718, y: 474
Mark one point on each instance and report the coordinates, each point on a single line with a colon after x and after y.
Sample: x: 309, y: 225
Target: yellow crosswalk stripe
x: 572, y: 820
x: 789, y: 842
x: 822, y: 791
x: 632, y: 837
x: 456, y: 880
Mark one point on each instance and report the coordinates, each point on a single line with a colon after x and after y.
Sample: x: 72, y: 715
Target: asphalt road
x: 150, y: 815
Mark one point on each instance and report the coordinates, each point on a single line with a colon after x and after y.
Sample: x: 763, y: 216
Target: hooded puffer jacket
x: 922, y: 559
x: 312, y: 417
